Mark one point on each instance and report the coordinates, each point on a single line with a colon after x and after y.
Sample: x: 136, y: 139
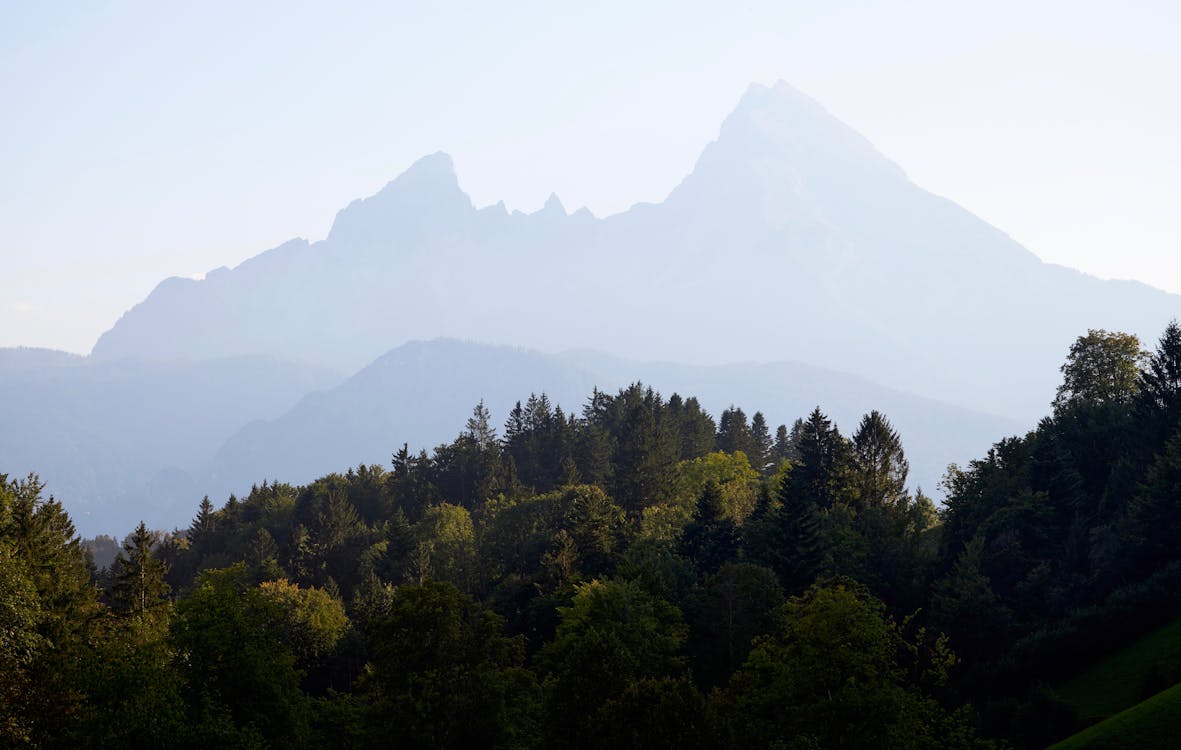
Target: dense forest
x: 635, y: 574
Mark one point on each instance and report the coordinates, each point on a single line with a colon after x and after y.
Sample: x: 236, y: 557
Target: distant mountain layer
x: 792, y: 238
x: 423, y: 392
x: 122, y: 441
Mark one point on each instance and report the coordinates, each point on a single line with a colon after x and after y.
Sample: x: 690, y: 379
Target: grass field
x: 1155, y: 723
x: 1116, y: 682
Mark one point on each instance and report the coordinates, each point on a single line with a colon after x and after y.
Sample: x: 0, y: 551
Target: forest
x: 630, y: 574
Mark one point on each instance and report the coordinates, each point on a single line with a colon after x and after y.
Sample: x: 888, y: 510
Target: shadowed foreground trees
x: 836, y: 672
x: 625, y: 577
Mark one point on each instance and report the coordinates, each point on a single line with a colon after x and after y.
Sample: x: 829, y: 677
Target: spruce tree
x: 710, y: 540
x: 479, y: 427
x: 203, y: 527
x: 1159, y: 399
x: 880, y: 463
x: 822, y: 472
x: 760, y: 450
x: 140, y: 590
x: 734, y: 433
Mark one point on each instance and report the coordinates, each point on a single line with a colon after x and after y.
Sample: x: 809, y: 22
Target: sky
x: 141, y: 140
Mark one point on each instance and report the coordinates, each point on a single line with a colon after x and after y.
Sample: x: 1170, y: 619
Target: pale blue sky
x: 142, y: 140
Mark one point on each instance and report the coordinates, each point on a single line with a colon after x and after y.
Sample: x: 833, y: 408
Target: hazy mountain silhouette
x: 423, y: 392
x: 126, y: 440
x: 792, y: 238
x: 116, y: 441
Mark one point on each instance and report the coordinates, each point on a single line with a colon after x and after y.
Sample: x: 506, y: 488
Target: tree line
x: 636, y: 574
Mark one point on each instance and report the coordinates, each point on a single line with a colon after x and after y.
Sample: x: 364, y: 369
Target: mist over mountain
x: 792, y: 238
x: 117, y: 441
x: 423, y: 392
x: 124, y: 441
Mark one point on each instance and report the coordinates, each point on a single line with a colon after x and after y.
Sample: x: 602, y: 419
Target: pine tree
x: 760, y: 450
x: 140, y: 589
x: 822, y: 472
x: 800, y: 539
x: 1159, y: 400
x: 880, y: 464
x: 697, y: 431
x: 593, y: 453
x: 203, y: 527
x: 734, y: 434
x: 782, y: 450
x: 710, y: 539
x: 262, y: 559
x: 479, y: 427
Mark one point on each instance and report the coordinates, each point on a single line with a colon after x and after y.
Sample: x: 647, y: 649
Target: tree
x: 262, y: 559
x: 736, y: 480
x: 479, y: 427
x: 446, y: 546
x: 1101, y: 368
x: 20, y: 646
x: 821, y: 474
x: 38, y: 532
x: 1159, y: 398
x: 310, y: 621
x: 1154, y: 516
x: 710, y: 539
x: 613, y: 635
x: 837, y: 672
x: 731, y: 608
x: 735, y: 435
x: 784, y: 447
x: 141, y: 592
x: 203, y: 526
x: 880, y: 464
x: 240, y: 678
x: 965, y: 607
x: 445, y: 676
x: 760, y: 446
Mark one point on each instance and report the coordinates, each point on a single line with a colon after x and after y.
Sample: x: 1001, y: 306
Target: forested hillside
x: 636, y: 574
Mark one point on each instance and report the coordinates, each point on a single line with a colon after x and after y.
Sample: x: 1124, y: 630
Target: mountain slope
x: 423, y: 392
x: 792, y: 238
x: 115, y: 441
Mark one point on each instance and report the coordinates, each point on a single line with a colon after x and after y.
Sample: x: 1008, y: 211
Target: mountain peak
x: 437, y: 166
x: 426, y: 194
x: 553, y: 205
x: 781, y: 93
x: 782, y: 157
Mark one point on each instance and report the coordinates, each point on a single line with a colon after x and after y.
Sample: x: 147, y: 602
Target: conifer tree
x: 262, y: 559
x: 760, y: 450
x: 479, y: 427
x: 880, y: 463
x: 734, y: 433
x: 1159, y: 399
x: 203, y: 526
x: 782, y: 450
x: 710, y: 539
x: 821, y: 474
x: 140, y: 590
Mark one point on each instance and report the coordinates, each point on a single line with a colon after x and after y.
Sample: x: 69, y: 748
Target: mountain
x: 116, y: 440
x: 791, y: 239
x: 423, y: 392
x: 127, y: 440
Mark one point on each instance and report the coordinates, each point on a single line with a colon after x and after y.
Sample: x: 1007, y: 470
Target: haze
x: 140, y: 142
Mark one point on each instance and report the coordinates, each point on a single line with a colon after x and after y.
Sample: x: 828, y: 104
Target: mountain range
x: 791, y: 239
x: 794, y: 266
x: 121, y: 442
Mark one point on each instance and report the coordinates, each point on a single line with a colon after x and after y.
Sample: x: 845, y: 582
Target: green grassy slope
x: 1117, y: 682
x: 1155, y: 723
